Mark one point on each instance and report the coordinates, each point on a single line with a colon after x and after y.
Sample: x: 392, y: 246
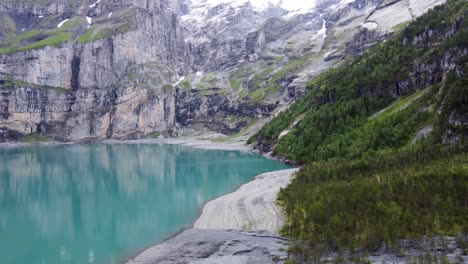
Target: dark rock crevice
x: 75, y: 69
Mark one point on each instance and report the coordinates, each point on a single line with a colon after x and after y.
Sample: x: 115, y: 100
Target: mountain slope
x: 342, y: 101
x: 73, y: 70
x: 384, y: 141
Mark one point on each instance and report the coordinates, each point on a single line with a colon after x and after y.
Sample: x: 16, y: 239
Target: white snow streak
x: 93, y: 5
x: 61, y: 23
x: 259, y: 5
x: 322, y: 31
x: 199, y: 8
x: 180, y: 80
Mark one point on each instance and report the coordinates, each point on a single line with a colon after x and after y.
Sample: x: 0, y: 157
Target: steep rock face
x: 31, y: 7
x: 86, y: 113
x: 104, y: 85
x: 364, y: 39
x: 197, y: 113
x: 127, y: 68
x: 48, y: 67
x: 155, y: 39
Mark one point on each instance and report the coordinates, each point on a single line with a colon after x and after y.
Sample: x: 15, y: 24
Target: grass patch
x: 52, y: 37
x: 12, y: 43
x: 167, y: 87
x: 209, y: 81
x: 86, y: 37
x: 153, y: 135
x: 12, y: 84
x: 235, y: 84
x: 34, y: 137
x: 260, y: 77
x: 186, y: 85
x: 258, y: 95
x: 50, y: 41
x: 243, y: 93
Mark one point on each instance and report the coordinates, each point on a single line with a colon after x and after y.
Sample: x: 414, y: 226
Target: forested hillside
x: 384, y: 142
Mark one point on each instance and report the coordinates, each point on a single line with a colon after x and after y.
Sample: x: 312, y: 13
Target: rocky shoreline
x: 240, y: 227
x: 216, y: 246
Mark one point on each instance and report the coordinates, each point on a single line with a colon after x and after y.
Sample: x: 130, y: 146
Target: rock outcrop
x: 210, y: 246
x: 110, y: 87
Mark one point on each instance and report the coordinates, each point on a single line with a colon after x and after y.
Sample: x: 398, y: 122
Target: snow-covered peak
x: 259, y: 5
x: 341, y: 4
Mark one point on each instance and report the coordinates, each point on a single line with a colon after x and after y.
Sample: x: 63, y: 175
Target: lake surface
x: 104, y: 203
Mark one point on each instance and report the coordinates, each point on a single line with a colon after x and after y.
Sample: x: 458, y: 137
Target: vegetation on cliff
x: 374, y: 134
x: 363, y: 203
x: 343, y: 99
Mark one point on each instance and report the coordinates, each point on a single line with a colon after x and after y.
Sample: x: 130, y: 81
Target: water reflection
x: 97, y: 203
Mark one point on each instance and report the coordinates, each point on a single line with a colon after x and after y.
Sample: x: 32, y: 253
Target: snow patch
x: 90, y: 20
x: 180, y: 80
x: 110, y: 14
x: 329, y: 53
x: 199, y: 73
x: 93, y: 5
x: 341, y: 4
x: 345, y: 2
x: 61, y: 23
x: 322, y: 31
x: 370, y: 25
x: 199, y: 8
x: 41, y: 16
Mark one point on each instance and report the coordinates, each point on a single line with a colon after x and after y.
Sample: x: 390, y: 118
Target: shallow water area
x: 103, y: 203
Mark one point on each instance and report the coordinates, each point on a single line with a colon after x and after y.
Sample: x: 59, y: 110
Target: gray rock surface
x: 210, y: 246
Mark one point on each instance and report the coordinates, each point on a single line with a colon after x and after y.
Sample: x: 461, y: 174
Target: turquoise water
x: 105, y: 203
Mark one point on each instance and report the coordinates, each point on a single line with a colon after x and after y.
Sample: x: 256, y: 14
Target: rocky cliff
x: 73, y: 70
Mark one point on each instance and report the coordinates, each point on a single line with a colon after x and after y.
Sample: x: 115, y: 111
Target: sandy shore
x: 251, y: 207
